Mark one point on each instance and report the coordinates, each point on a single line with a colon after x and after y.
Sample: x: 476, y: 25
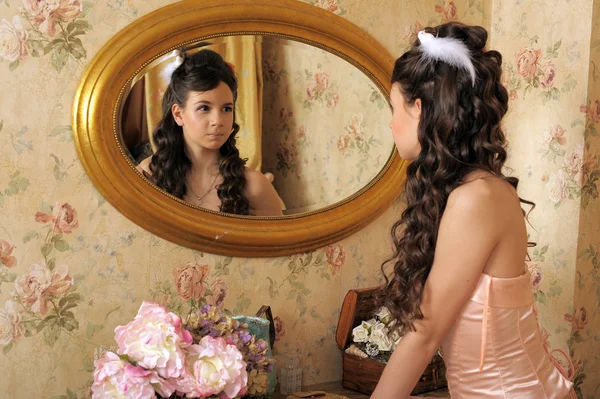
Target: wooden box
x: 362, y: 375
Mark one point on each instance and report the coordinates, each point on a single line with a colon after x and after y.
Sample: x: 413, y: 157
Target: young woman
x: 459, y: 279
x: 196, y: 159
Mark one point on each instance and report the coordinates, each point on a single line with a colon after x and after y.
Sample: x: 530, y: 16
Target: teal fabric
x: 259, y: 327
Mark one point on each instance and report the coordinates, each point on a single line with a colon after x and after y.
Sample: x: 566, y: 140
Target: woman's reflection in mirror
x: 196, y: 158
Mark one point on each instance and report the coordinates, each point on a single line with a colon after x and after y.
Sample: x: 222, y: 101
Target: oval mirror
x: 313, y: 114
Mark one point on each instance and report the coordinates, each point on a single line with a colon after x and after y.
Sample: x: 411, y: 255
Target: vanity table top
x: 336, y: 388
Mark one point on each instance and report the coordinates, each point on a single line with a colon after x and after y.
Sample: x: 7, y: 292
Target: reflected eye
x: 228, y: 109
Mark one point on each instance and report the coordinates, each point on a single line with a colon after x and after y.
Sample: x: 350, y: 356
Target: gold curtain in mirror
x: 143, y: 111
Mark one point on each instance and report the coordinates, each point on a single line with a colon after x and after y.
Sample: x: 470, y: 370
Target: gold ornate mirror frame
x: 109, y: 75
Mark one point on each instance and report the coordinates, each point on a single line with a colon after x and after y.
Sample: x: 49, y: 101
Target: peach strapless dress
x: 495, y: 348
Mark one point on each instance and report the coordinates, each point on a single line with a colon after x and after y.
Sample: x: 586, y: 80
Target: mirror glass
x: 313, y: 123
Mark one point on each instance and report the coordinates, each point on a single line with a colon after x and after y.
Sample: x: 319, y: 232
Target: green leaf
x: 74, y: 297
x: 82, y: 24
x: 557, y: 45
x: 7, y: 349
x: 70, y: 27
x: 47, y: 249
x: 77, y: 50
x: 50, y: 320
x: 13, y: 65
x: 92, y: 329
x: 59, y: 59
x: 70, y: 324
x: 60, y: 129
x: 30, y: 236
x: 48, y: 47
x: 23, y: 183
x: 51, y: 335
x: 1, y: 200
x: 61, y: 246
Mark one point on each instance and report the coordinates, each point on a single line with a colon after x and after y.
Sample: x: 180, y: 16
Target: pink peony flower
x: 11, y: 328
x: 46, y: 14
x: 13, y: 40
x: 63, y: 218
x: 115, y: 378
x: 336, y: 257
x: 5, y: 254
x: 219, y: 292
x: 154, y: 340
x: 549, y: 72
x: 342, y: 143
x: 37, y: 288
x: 593, y: 111
x: 527, y: 62
x: 190, y: 280
x: 213, y: 367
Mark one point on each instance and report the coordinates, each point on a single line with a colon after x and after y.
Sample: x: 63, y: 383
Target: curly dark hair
x: 459, y: 132
x: 170, y: 165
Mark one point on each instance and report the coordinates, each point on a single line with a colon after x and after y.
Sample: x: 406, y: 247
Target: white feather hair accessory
x: 448, y: 50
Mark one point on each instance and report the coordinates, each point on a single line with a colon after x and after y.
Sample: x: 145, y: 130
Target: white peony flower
x: 384, y: 315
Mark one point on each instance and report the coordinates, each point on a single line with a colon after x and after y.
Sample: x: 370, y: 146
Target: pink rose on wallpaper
x: 527, y: 62
x: 219, y: 292
x: 6, y: 258
x: 190, y: 280
x: 593, y: 111
x: 279, y: 328
x: 556, y: 135
x: 578, y: 320
x: 13, y: 40
x: 448, y: 9
x: 301, y: 132
x: 412, y: 30
x: 333, y: 101
x: 213, y: 366
x: 549, y: 71
x: 11, y: 328
x: 63, y: 218
x: 322, y: 81
x: 355, y: 127
x: 589, y: 165
x: 285, y: 116
x: 575, y: 164
x: 336, y: 257
x: 342, y: 143
x: 46, y: 14
x: 329, y: 5
x: 558, y: 187
x: 161, y: 347
x: 288, y: 154
x: 536, y: 274
x: 37, y: 288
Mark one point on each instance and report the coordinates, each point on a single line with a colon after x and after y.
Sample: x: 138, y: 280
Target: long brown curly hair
x: 170, y: 165
x: 459, y: 132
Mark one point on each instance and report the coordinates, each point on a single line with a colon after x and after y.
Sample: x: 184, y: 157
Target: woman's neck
x: 203, y: 159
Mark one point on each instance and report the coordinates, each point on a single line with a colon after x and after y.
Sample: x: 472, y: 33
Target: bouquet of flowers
x: 375, y: 338
x: 206, y: 355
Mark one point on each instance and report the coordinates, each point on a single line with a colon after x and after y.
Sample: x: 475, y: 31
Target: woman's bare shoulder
x: 144, y: 166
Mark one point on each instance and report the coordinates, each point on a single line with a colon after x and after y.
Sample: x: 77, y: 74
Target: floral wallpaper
x: 322, y: 117
x: 550, y: 70
x: 72, y: 268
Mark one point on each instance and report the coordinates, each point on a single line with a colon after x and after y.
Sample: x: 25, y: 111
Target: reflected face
x: 404, y: 124
x: 206, y: 117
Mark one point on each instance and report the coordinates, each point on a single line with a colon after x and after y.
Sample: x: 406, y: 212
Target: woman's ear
x: 177, y: 111
x: 417, y: 108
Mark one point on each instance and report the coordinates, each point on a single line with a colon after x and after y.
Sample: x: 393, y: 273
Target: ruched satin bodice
x: 495, y: 348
